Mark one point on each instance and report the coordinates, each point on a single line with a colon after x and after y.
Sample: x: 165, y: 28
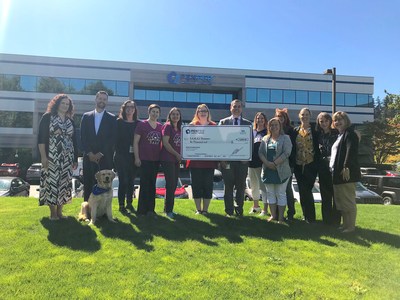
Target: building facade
x: 27, y: 83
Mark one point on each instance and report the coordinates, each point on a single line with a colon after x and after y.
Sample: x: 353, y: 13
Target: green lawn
x: 195, y: 256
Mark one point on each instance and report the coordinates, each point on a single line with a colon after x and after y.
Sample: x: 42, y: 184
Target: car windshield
x: 5, y: 184
x: 360, y: 187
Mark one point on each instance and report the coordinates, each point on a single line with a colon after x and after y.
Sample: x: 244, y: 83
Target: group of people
x: 128, y: 144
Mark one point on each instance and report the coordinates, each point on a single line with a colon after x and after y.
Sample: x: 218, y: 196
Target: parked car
x: 371, y: 171
x: 315, y: 191
x: 218, y: 189
x: 180, y: 191
x: 13, y: 186
x: 77, y: 188
x: 33, y: 173
x: 13, y: 170
x: 388, y: 187
x: 115, y: 185
x: 365, y: 196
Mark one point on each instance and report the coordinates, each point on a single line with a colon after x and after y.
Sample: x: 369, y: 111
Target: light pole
x: 333, y: 73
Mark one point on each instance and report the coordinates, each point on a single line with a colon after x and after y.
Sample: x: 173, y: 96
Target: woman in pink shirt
x: 171, y: 157
x: 146, y: 147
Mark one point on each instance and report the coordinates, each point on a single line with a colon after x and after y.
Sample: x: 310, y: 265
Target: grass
x: 195, y: 256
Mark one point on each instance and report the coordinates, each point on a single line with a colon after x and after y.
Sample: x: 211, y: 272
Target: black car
x: 386, y: 186
x: 33, y: 173
x: 13, y: 186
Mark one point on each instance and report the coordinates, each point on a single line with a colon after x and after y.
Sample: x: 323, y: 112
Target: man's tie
x: 236, y: 122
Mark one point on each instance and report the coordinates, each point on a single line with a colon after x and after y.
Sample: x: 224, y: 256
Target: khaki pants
x: 345, y: 199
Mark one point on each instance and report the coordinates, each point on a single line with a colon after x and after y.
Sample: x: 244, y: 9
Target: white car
x: 315, y: 191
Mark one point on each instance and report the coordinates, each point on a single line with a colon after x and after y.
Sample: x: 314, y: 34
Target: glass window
x: 193, y: 97
x: 251, y: 95
x: 180, y: 96
x: 362, y: 100
x: 340, y: 99
x: 77, y: 86
x: 276, y: 96
x: 111, y: 85
x: 314, y: 98
x: 219, y: 98
x: 140, y: 94
x: 263, y: 95
x: 289, y: 97
x: 16, y: 119
x: 122, y: 88
x: 10, y: 83
x: 166, y: 96
x: 301, y: 97
x: 206, y: 98
x: 326, y: 98
x: 152, y: 95
x: 350, y: 99
x: 28, y: 83
x: 228, y: 98
x: 65, y: 82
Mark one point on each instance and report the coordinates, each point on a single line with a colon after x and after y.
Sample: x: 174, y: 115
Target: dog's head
x: 104, y: 178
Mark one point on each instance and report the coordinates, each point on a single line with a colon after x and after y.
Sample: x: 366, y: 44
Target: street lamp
x: 333, y: 73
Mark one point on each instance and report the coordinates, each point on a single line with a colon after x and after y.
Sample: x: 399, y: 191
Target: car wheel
x: 387, y: 200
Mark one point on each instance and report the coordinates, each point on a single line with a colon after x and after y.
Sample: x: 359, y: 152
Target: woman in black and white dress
x: 58, y: 152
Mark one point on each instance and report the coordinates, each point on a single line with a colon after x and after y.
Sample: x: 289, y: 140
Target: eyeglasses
x: 203, y: 111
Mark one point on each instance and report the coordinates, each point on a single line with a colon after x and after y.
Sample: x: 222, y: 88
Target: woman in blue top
x: 274, y: 152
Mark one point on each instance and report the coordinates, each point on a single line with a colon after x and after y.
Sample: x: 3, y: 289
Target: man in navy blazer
x: 98, y: 131
x: 234, y: 172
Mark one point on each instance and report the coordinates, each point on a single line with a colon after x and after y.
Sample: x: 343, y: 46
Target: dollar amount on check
x: 217, y: 142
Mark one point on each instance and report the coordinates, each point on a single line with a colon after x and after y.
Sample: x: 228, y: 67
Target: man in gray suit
x: 234, y: 172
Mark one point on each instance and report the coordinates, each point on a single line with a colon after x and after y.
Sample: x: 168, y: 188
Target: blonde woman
x: 274, y: 153
x: 307, y: 155
x: 202, y: 172
x: 345, y: 170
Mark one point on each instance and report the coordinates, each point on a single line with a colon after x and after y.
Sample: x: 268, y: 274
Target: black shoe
x: 131, y: 208
x: 123, y: 210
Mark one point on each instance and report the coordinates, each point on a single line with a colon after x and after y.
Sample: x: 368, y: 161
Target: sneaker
x: 198, y: 212
x: 254, y: 210
x: 262, y: 213
x: 204, y: 212
x: 171, y: 215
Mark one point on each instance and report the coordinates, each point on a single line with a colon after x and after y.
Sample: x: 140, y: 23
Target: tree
x: 51, y: 85
x: 393, y: 101
x: 382, y: 133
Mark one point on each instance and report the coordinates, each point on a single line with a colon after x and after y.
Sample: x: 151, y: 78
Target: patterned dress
x: 55, y: 182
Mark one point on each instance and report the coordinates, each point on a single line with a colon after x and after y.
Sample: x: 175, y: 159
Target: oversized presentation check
x: 217, y: 142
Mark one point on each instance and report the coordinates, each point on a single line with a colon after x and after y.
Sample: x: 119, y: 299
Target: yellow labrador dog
x: 100, y: 200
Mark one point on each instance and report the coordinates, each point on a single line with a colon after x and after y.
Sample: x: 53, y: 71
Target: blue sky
x: 358, y: 37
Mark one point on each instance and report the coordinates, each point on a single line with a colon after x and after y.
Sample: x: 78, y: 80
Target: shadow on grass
x: 234, y: 229
x: 140, y: 231
x: 182, y: 229
x: 71, y: 233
